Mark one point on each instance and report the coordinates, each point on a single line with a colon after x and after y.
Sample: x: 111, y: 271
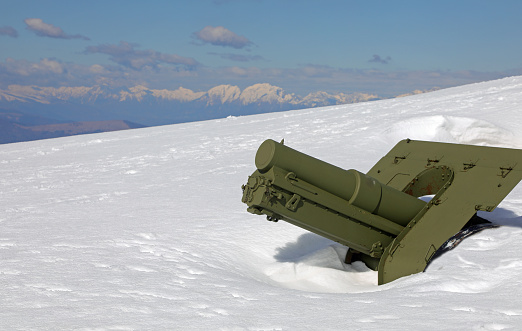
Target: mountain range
x: 41, y: 106
x: 161, y: 106
x: 221, y: 94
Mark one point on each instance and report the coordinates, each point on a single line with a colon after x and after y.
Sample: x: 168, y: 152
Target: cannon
x: 379, y: 215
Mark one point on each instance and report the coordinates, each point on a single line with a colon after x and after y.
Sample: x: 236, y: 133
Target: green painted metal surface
x: 378, y: 214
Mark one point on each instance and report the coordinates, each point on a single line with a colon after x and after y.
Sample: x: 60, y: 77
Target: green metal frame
x: 476, y: 178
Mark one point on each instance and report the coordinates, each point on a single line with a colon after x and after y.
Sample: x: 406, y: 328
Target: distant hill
x: 18, y: 127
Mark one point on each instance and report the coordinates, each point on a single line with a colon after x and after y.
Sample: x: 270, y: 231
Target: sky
x: 382, y: 47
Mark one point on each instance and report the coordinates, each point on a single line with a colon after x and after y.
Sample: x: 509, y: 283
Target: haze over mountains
x: 222, y: 100
x: 24, y: 107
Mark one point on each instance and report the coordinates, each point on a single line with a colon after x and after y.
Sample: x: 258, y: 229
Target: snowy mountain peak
x: 136, y: 92
x: 266, y: 93
x: 223, y: 94
x: 181, y: 94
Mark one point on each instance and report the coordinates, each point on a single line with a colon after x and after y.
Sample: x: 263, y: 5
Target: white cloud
x: 238, y: 71
x: 378, y: 59
x: 8, y: 31
x: 127, y: 55
x: 26, y: 68
x: 97, y: 69
x: 238, y: 57
x: 51, y: 66
x: 38, y: 26
x: 220, y: 36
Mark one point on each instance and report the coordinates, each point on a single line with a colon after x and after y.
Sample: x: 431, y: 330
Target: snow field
x: 145, y: 229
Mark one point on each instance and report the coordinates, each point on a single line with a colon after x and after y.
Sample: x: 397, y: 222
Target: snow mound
x: 324, y: 272
x: 452, y: 129
x: 315, y: 264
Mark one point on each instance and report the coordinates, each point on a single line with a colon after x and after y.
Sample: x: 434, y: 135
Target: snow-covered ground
x: 145, y: 229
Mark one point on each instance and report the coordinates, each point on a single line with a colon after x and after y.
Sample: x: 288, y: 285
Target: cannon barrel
x: 353, y: 186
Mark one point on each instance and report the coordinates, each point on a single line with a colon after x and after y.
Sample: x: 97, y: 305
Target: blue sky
x: 383, y: 47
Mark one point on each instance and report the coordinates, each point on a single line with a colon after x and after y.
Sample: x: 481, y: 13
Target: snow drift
x: 144, y: 229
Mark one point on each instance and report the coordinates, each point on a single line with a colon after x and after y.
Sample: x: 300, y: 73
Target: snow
x: 145, y: 229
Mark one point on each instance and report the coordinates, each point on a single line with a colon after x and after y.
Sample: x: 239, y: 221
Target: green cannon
x: 379, y: 215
